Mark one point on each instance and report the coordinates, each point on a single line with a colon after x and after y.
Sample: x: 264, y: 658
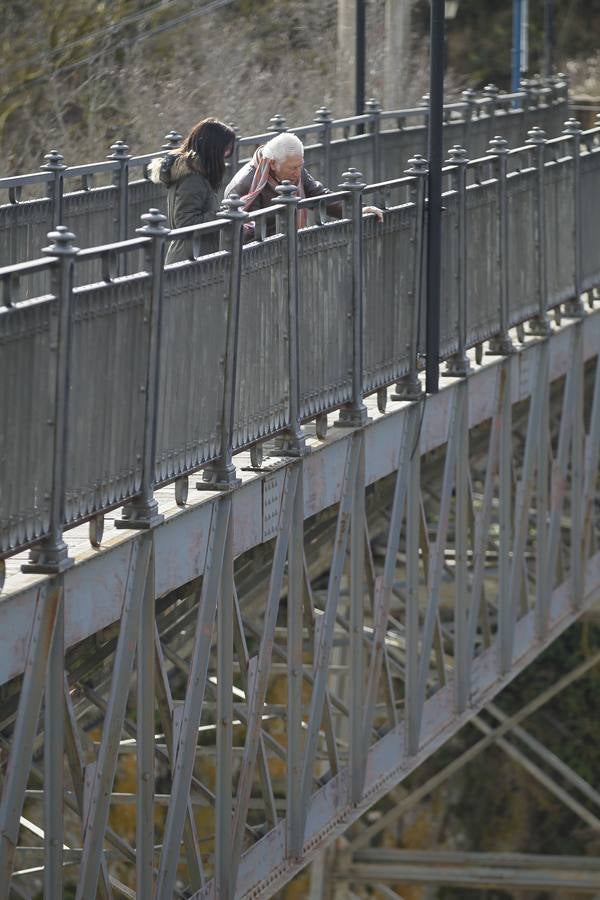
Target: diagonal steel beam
x: 75, y: 759
x: 297, y: 612
x: 540, y: 776
x: 509, y: 605
x: 244, y: 660
x: 54, y: 739
x: 357, y: 751
x: 30, y: 700
x: 188, y: 736
x: 165, y: 705
x: 260, y: 671
x: 323, y: 648
x: 404, y: 805
x: 548, y: 757
x: 97, y: 812
x: 592, y: 452
x: 145, y: 741
x: 384, y: 584
x: 437, y: 560
x: 224, y: 713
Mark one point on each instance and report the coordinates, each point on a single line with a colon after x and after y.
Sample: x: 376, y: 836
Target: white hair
x: 283, y: 146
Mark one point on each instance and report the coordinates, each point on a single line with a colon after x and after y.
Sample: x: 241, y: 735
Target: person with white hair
x: 281, y: 159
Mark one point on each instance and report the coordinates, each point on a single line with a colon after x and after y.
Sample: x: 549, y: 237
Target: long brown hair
x: 207, y: 143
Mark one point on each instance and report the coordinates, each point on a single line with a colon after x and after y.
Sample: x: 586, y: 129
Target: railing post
x: 355, y: 412
x: 491, y: 93
x: 409, y: 387
x: 425, y: 103
x: 120, y: 152
x: 221, y: 475
x: 562, y: 85
x: 277, y: 123
x: 373, y: 108
x: 295, y: 444
x: 540, y: 325
x: 142, y: 510
x: 323, y: 116
x: 574, y: 308
x: 531, y: 100
x: 172, y: 140
x: 469, y: 97
x: 501, y: 345
x: 54, y: 188
x: 458, y: 364
x: 51, y: 556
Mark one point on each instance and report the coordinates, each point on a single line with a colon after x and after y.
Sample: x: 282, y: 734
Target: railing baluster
x: 501, y: 344
x: 172, y: 140
x: 55, y: 187
x: 277, y: 123
x: 409, y: 387
x: 120, y: 152
x: 574, y: 308
x: 51, y: 555
x: 540, y: 325
x: 459, y: 364
x: 374, y: 109
x: 221, y: 474
x: 491, y: 92
x: 469, y: 97
x: 142, y: 511
x: 295, y: 442
x: 323, y: 115
x: 354, y: 414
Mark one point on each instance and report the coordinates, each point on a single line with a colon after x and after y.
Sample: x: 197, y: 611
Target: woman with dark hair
x: 193, y: 174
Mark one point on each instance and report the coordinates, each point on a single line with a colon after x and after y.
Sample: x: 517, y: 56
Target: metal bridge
x: 240, y: 663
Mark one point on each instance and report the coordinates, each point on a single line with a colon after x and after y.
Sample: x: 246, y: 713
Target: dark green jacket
x: 190, y: 201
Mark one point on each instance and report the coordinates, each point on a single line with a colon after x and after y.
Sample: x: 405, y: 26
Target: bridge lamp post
x: 440, y: 11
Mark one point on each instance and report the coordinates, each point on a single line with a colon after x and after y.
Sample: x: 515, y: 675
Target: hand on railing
x: 248, y: 231
x: 373, y: 211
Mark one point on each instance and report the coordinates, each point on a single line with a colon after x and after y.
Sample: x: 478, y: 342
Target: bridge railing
x: 102, y: 202
x: 118, y: 386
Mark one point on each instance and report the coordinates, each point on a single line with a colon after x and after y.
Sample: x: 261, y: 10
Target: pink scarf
x: 263, y: 176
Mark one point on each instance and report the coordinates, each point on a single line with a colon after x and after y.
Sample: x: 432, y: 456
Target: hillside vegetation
x: 76, y: 77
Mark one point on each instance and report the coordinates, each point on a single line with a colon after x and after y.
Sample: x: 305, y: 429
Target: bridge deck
x: 180, y: 538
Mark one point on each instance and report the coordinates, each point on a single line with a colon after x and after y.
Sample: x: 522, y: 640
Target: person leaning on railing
x: 281, y: 159
x: 193, y: 174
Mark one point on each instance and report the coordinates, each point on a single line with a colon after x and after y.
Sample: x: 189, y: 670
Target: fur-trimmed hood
x: 173, y: 167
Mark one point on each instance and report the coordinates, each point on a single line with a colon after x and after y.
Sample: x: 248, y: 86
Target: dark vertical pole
x: 434, y: 222
x: 516, y: 46
x: 548, y: 37
x: 360, y: 57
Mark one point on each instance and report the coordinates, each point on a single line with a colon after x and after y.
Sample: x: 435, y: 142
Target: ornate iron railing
x: 102, y: 202
x: 115, y: 387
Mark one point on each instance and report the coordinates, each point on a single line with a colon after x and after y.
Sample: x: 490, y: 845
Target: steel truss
x: 265, y: 729
x: 360, y: 862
